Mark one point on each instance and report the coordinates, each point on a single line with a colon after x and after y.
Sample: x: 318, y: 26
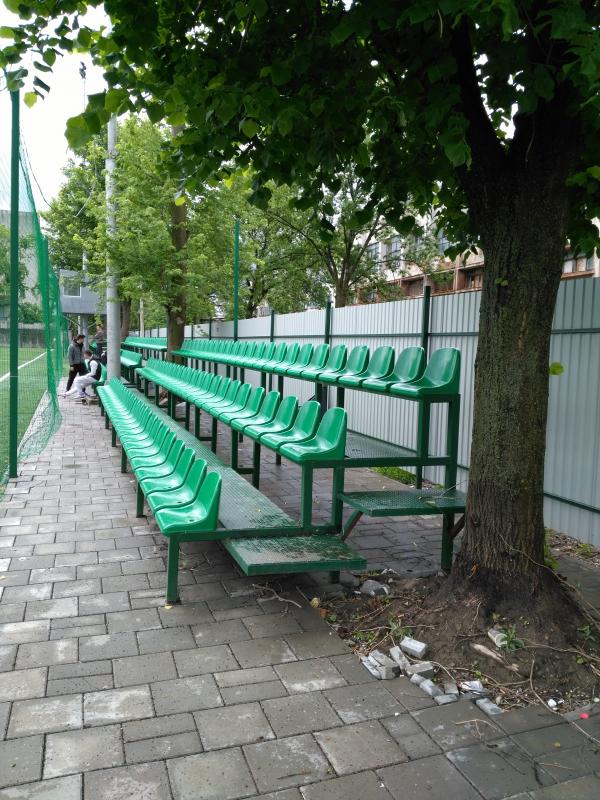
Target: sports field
x: 33, y: 377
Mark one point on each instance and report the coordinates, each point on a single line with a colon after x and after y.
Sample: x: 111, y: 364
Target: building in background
x: 79, y: 302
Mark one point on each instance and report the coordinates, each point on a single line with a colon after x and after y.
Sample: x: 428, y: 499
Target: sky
x: 43, y: 126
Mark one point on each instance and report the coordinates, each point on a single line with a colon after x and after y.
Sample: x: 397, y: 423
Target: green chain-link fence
x: 36, y: 332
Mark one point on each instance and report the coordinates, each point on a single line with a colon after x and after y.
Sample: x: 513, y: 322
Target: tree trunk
x: 176, y: 310
x: 341, y: 295
x: 125, y: 318
x: 175, y: 326
x: 523, y: 242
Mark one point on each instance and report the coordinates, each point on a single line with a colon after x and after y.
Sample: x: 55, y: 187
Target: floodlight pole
x: 13, y: 402
x: 236, y: 277
x: 113, y: 316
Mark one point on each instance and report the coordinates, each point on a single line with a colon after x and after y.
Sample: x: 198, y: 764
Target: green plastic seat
x: 356, y: 363
x: 162, y: 469
x: 237, y: 403
x: 290, y: 354
x: 304, y: 427
x: 380, y: 365
x: 318, y: 359
x: 147, y: 450
x: 276, y: 356
x: 171, y: 497
x: 283, y: 420
x: 244, y: 408
x: 335, y: 362
x: 158, y: 458
x: 302, y: 359
x: 265, y: 414
x: 202, y: 514
x: 175, y: 479
x: 441, y: 376
x: 329, y: 442
x: 223, y: 397
x: 409, y: 366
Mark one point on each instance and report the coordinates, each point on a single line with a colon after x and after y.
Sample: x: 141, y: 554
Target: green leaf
x: 6, y: 32
x: 406, y: 225
x: 39, y: 82
x: 114, y: 99
x: 155, y: 112
x: 180, y: 199
x: 30, y: 99
x: 556, y: 368
x: 49, y: 56
x: 259, y: 7
x: 84, y: 38
x: 343, y: 31
x: 77, y: 132
x: 280, y: 74
x: 285, y: 123
x: 249, y: 127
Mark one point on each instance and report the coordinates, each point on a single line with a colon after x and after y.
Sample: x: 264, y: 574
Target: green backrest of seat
x: 175, y: 452
x: 233, y: 388
x: 358, y: 359
x: 304, y: 355
x: 209, y: 496
x: 292, y: 353
x: 308, y: 418
x: 286, y: 413
x: 260, y: 350
x: 269, y: 351
x: 185, y: 461
x: 255, y: 398
x: 242, y: 396
x: 319, y: 356
x: 270, y: 404
x: 381, y: 362
x: 337, y: 358
x: 280, y: 352
x: 409, y: 364
x: 331, y: 433
x: 443, y: 369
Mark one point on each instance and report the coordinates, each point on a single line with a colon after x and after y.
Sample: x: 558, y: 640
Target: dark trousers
x: 76, y: 369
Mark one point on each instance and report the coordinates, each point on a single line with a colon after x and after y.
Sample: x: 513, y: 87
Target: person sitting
x: 92, y: 377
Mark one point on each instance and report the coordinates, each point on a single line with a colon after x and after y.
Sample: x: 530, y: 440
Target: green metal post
x: 14, y: 291
x: 306, y: 497
x: 234, y: 449
x: 425, y: 317
x: 197, y: 422
x: 337, y: 506
x: 256, y: 465
x: 450, y: 479
x: 271, y: 339
x: 172, y: 570
x: 236, y: 278
x: 322, y: 390
x: 423, y: 422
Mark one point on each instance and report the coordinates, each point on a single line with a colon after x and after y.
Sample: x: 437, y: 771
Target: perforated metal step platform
x: 406, y: 502
x: 290, y: 554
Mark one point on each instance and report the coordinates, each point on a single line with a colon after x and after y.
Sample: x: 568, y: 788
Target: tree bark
x: 523, y: 239
x: 341, y: 295
x: 125, y: 318
x: 177, y: 307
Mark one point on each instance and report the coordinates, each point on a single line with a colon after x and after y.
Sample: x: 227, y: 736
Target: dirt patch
x: 553, y: 654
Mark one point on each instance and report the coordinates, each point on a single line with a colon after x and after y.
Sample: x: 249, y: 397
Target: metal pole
x: 142, y: 323
x: 113, y: 321
x: 425, y: 320
x: 327, y: 336
x: 13, y: 404
x: 236, y: 277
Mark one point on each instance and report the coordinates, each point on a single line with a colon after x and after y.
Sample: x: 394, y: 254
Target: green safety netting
x: 41, y: 325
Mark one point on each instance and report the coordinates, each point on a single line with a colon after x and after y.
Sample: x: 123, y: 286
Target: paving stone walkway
x: 106, y: 694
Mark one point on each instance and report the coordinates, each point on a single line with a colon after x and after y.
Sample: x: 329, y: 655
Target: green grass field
x: 33, y: 383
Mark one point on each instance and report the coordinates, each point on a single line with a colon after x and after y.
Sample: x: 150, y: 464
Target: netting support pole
x: 113, y: 309
x: 14, y: 291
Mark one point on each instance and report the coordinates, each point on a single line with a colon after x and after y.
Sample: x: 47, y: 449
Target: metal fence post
x: 426, y: 311
x: 13, y: 403
x: 271, y: 339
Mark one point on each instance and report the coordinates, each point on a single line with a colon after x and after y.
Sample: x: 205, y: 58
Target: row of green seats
x: 335, y: 366
x: 146, y: 342
x: 177, y: 487
x: 298, y: 433
x: 130, y: 359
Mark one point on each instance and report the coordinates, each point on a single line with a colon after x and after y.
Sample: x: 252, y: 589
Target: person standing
x: 76, y: 359
x: 100, y: 339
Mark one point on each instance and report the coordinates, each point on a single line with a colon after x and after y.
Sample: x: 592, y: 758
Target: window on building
x: 474, y: 280
x: 373, y: 251
x: 72, y: 287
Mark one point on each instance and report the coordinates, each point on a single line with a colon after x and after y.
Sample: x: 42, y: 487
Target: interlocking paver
x: 185, y: 694
x: 82, y: 751
x: 200, y: 661
x: 254, y: 691
x: 358, y: 703
x: 220, y: 633
x: 8, y: 653
x: 241, y: 677
x: 221, y: 775
x: 42, y: 654
x: 158, y: 726
x: 233, y: 725
x: 364, y: 786
x: 20, y: 632
x: 301, y: 713
x: 143, y: 781
x: 144, y: 669
x: 118, y: 705
x: 112, y: 645
x: 45, y: 715
x: 77, y: 589
x: 315, y: 644
x: 104, y: 603
x: 309, y: 676
x: 12, y: 612
x: 165, y: 639
x: 20, y: 760
x: 457, y: 725
x: 17, y: 594
x: 499, y: 769
x: 68, y: 788
x: 282, y: 763
x: 22, y: 684
x: 587, y: 788
x: 262, y: 652
x: 434, y: 778
x: 142, y: 620
x: 271, y: 625
x: 410, y: 736
x: 171, y: 746
x: 188, y: 614
x: 353, y: 748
